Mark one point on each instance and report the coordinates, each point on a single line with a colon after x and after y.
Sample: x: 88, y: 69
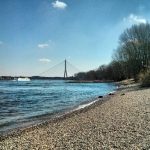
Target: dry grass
x: 144, y: 78
x: 127, y: 82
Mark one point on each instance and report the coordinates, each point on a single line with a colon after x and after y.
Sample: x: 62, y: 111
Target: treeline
x: 112, y: 71
x: 131, y: 57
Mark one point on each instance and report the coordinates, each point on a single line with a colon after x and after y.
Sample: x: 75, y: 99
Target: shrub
x: 144, y: 78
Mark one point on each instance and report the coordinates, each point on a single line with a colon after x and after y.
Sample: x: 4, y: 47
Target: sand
x: 121, y: 121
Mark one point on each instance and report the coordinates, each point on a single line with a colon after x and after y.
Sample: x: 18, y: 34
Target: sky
x: 37, y: 34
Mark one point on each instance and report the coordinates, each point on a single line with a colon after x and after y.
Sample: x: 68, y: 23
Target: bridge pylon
x: 65, y: 71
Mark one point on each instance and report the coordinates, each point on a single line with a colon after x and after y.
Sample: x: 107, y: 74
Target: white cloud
x: 44, y: 60
x: 44, y: 45
x: 59, y: 5
x: 134, y: 19
x: 1, y: 42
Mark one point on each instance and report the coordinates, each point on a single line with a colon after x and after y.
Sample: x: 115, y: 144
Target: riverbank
x: 121, y: 121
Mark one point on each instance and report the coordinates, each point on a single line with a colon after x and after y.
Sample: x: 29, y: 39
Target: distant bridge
x: 63, y: 69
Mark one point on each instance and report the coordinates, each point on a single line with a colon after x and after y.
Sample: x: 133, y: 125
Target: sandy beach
x: 121, y: 121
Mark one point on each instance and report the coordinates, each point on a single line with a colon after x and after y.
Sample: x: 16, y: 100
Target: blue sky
x: 37, y: 34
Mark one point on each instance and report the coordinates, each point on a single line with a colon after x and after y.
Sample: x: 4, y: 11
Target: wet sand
x: 120, y: 121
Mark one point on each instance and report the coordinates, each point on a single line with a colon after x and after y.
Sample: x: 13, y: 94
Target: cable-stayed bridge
x: 63, y: 69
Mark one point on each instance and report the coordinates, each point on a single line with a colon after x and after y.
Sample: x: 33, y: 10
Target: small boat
x: 23, y: 79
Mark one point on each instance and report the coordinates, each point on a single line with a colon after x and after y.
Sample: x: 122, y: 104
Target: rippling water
x: 28, y: 102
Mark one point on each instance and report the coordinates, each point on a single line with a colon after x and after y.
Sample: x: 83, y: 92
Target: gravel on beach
x: 122, y: 122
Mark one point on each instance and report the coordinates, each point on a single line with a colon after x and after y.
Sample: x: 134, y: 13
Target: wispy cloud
x: 44, y: 45
x: 44, y: 60
x: 141, y: 8
x: 1, y: 42
x: 59, y: 4
x: 69, y: 57
x: 134, y: 19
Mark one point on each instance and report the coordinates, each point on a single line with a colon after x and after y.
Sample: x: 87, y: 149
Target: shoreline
x: 9, y: 127
x: 57, y: 117
x: 119, y: 121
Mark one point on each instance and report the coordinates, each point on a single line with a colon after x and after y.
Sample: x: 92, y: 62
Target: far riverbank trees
x: 131, y: 57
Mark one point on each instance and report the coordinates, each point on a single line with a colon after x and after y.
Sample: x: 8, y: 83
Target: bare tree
x: 134, y: 50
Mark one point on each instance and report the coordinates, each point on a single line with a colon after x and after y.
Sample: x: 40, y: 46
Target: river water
x: 25, y: 103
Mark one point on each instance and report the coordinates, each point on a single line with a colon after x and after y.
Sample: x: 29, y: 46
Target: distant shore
x: 71, y: 78
x: 118, y: 121
x: 91, y: 81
